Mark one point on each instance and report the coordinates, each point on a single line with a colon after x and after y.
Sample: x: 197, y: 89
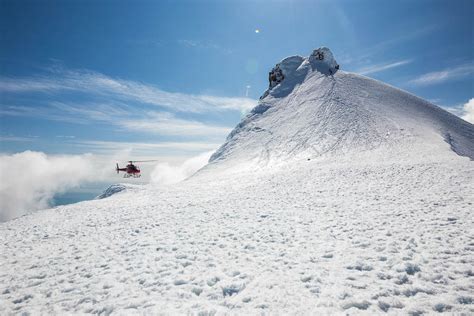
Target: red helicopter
x: 131, y: 170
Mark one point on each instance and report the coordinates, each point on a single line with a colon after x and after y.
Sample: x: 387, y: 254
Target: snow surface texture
x: 378, y: 220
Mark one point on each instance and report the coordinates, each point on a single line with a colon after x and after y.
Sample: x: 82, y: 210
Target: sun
x: 257, y: 31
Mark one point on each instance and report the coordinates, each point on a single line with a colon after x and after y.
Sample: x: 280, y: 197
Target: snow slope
x: 377, y: 221
x: 312, y: 114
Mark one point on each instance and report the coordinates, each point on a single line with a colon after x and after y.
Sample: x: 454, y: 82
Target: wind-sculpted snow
x: 307, y: 238
x: 117, y: 188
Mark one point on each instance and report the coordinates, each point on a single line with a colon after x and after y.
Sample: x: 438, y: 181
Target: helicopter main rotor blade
x: 142, y: 161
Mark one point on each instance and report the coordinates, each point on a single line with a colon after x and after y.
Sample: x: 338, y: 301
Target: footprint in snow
x: 197, y: 291
x: 465, y: 300
x: 359, y: 305
x: 359, y: 266
x: 232, y: 289
x: 441, y: 307
x: 179, y: 282
x: 246, y: 299
x: 211, y: 282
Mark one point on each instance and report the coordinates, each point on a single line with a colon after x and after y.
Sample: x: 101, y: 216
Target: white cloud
x: 203, y: 44
x: 31, y: 179
x: 437, y: 77
x: 165, y: 173
x: 167, y: 124
x: 70, y: 113
x: 145, y: 150
x: 468, y: 114
x: 16, y: 139
x: 65, y: 136
x: 162, y: 123
x: 111, y: 104
x: 93, y: 83
x: 382, y: 67
x: 25, y: 85
x: 464, y: 111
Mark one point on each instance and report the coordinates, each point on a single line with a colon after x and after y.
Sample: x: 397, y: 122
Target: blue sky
x: 170, y: 79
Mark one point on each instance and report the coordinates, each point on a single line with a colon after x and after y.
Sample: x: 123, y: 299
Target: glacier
x: 336, y: 194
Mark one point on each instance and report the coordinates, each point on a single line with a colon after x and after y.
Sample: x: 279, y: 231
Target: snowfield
x: 337, y: 195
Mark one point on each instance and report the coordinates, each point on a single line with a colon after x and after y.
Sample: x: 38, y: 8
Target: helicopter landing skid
x: 131, y: 175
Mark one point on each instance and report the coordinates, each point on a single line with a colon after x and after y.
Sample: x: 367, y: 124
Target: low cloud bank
x: 166, y: 174
x: 468, y: 111
x: 31, y: 179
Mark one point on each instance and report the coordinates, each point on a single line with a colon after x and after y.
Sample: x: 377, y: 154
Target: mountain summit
x: 313, y: 110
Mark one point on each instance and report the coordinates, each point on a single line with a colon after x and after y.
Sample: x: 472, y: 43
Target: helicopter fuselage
x: 130, y: 171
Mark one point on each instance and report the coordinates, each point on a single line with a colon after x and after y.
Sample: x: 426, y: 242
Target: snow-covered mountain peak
x: 293, y: 70
x: 312, y: 110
